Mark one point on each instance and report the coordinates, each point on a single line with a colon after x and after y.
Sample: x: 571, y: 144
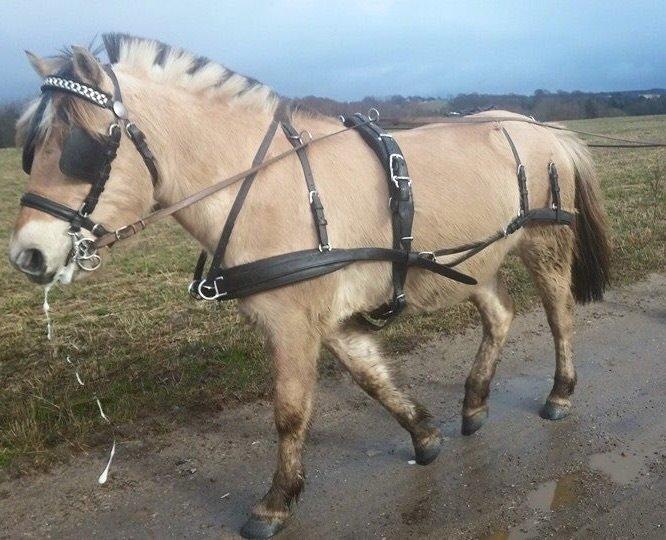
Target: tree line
x: 542, y: 105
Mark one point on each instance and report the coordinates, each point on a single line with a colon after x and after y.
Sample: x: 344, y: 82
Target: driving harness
x: 89, y: 159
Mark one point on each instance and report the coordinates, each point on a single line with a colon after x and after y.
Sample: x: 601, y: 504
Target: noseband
x: 88, y: 159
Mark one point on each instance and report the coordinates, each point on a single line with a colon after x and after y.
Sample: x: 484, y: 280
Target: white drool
x: 49, y: 336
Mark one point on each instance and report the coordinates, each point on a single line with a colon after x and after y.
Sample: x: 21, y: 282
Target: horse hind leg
x: 360, y: 355
x: 548, y: 254
x: 496, y: 309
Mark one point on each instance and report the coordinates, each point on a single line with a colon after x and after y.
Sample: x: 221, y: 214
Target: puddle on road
x: 556, y: 495
x: 550, y: 496
x: 620, y: 468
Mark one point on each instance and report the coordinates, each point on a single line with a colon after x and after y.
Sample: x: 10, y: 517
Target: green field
x: 153, y: 355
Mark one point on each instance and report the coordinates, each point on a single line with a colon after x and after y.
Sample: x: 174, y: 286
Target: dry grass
x: 152, y: 354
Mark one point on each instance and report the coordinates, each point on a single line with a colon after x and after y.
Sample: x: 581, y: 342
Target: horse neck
x: 197, y: 141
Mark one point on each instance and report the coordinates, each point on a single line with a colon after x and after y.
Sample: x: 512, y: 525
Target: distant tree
x: 8, y: 115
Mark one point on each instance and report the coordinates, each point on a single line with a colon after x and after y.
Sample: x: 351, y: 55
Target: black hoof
x: 258, y: 528
x: 554, y: 411
x: 471, y: 424
x: 427, y: 448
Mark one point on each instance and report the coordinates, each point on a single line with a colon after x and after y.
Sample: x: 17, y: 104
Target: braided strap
x: 79, y: 89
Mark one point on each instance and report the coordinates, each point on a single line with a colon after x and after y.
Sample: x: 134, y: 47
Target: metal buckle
x: 203, y: 285
x: 124, y: 232
x: 394, y: 177
x: 430, y: 255
x: 128, y: 128
x: 325, y: 247
x: 373, y: 114
x: 312, y: 193
x: 192, y: 291
x: 305, y: 137
x: 81, y: 212
x: 112, y: 128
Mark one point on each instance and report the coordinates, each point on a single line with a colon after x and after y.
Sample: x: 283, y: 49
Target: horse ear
x: 86, y: 66
x: 44, y: 66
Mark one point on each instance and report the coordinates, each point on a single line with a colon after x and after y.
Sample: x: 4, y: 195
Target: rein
x: 133, y: 228
x: 305, y: 139
x: 86, y: 158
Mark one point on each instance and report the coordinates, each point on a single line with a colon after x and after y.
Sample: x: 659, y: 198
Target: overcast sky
x: 348, y: 49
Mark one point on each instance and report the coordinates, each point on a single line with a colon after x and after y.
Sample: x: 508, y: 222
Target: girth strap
x: 313, y: 195
x: 401, y: 204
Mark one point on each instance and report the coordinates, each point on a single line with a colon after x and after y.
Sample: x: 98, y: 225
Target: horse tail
x: 592, y: 253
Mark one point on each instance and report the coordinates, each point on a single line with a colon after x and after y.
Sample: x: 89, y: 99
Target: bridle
x: 86, y: 158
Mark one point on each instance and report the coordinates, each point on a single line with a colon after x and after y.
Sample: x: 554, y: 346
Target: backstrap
x: 401, y: 203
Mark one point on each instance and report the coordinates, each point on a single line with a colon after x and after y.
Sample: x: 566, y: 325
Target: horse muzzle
x: 32, y: 263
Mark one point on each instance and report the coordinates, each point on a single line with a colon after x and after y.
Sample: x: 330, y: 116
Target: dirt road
x: 601, y: 473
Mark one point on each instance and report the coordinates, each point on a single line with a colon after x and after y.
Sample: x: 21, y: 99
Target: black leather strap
x: 225, y: 236
x: 139, y: 140
x: 400, y: 201
x: 133, y: 132
x: 520, y: 173
x: 110, y: 148
x: 273, y: 272
x: 61, y: 211
x: 315, y: 201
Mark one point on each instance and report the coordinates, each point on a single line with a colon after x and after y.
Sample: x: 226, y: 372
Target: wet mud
x: 599, y: 473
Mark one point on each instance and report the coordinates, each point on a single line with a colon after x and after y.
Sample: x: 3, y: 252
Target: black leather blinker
x: 86, y: 158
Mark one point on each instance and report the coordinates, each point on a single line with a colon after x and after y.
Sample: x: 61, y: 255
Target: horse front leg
x: 295, y: 363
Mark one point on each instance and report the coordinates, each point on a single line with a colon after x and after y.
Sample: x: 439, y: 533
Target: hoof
x: 259, y: 528
x: 427, y: 448
x: 471, y: 424
x: 554, y: 411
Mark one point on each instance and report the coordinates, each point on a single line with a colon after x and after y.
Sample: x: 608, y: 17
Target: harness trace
x: 90, y: 159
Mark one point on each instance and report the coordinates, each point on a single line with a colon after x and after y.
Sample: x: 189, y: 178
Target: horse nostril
x: 31, y: 261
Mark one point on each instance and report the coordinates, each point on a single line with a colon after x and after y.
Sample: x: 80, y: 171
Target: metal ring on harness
x: 203, y: 285
x: 84, y: 252
x: 373, y: 114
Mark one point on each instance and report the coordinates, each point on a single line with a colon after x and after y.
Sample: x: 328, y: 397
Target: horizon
x: 380, y: 49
